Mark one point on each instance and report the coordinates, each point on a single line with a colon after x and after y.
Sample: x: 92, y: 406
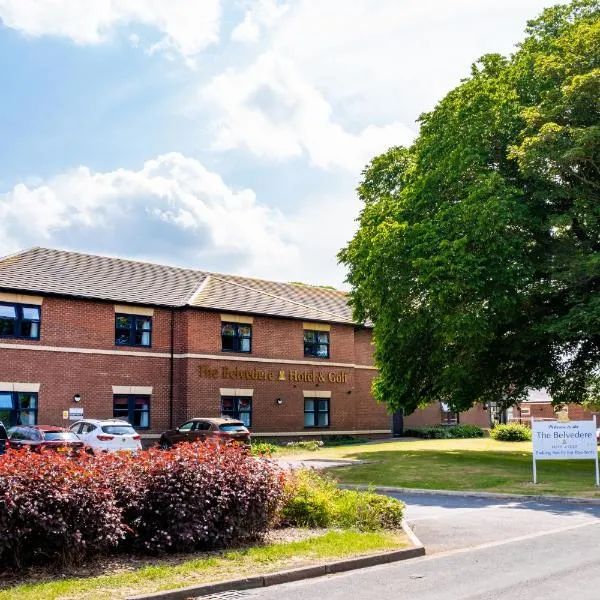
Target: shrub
x: 61, y: 510
x: 342, y: 440
x: 442, y: 432
x: 55, y: 509
x: 264, y: 448
x: 200, y: 496
x: 465, y: 431
x: 314, y: 500
x: 310, y: 445
x: 513, y: 432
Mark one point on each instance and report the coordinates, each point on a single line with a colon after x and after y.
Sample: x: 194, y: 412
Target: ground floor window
x: 448, y: 417
x: 237, y: 407
x: 18, y: 408
x: 316, y: 412
x: 134, y: 409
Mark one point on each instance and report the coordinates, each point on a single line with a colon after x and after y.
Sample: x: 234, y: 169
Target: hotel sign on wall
x: 293, y: 375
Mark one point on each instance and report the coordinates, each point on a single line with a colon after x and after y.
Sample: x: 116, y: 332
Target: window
x: 20, y: 321
x: 316, y: 343
x: 316, y: 412
x: 447, y: 416
x: 239, y: 408
x: 18, y: 408
x: 236, y: 337
x: 133, y: 409
x: 133, y: 330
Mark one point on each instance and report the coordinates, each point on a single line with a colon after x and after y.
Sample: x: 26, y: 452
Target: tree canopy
x: 477, y: 257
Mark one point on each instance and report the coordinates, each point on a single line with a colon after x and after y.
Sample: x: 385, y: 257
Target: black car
x: 3, y: 438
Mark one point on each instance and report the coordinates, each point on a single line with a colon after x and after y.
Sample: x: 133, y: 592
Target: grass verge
x: 462, y: 464
x: 228, y: 565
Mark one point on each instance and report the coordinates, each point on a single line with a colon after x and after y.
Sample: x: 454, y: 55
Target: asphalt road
x: 477, y: 550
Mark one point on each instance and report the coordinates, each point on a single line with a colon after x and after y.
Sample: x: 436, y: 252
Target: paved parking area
x: 449, y: 522
x: 478, y: 549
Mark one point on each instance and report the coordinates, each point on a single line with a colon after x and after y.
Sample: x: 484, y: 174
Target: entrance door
x: 397, y: 423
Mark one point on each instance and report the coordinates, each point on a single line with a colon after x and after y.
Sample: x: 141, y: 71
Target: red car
x: 44, y: 437
x: 219, y: 431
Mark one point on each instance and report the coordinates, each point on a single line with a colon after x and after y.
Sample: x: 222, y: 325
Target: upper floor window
x: 19, y: 321
x: 133, y: 330
x: 236, y: 337
x: 316, y: 343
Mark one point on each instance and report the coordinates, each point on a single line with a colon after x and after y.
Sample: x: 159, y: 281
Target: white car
x: 110, y: 435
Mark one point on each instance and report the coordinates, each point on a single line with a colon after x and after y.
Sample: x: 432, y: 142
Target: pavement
x: 312, y: 463
x: 478, y: 549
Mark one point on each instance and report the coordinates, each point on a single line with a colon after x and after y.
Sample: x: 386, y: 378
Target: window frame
x: 316, y: 412
x: 315, y: 345
x: 448, y: 418
x: 19, y: 319
x: 133, y: 329
x: 131, y: 398
x: 236, y: 337
x: 14, y: 414
x: 235, y: 412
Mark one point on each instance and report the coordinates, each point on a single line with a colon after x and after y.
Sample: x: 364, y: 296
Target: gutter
x: 171, y: 368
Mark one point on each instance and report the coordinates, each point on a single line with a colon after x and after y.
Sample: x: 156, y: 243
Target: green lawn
x: 473, y: 464
x: 163, y: 575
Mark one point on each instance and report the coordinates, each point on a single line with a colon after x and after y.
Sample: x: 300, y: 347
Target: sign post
x: 533, y: 454
x: 597, y: 472
x: 558, y: 440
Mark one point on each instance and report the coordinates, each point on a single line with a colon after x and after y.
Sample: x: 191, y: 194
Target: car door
x: 183, y: 433
x: 79, y: 429
x: 201, y: 431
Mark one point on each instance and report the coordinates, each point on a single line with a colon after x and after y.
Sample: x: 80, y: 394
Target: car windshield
x: 60, y: 436
x: 233, y: 427
x: 118, y: 429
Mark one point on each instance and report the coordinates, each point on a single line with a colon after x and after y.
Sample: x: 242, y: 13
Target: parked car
x: 3, y: 438
x: 44, y: 437
x: 220, y: 431
x: 109, y: 435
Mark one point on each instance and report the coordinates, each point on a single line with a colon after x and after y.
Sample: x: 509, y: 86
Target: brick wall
x: 431, y: 415
x: 98, y: 364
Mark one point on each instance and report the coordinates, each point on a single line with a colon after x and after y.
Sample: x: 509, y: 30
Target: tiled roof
x: 89, y: 276
x: 47, y: 271
x: 240, y: 294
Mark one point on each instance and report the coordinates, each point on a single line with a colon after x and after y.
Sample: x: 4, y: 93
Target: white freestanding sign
x: 564, y: 440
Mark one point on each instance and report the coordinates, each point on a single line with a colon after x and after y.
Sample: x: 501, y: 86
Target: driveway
x: 477, y: 550
x: 449, y: 523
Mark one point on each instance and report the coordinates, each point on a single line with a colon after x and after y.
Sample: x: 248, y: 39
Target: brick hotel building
x: 157, y: 345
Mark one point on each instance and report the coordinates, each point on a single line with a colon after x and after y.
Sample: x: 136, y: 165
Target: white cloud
x: 270, y: 110
x: 340, y: 81
x: 392, y: 59
x: 171, y: 208
x: 261, y: 14
x: 188, y: 27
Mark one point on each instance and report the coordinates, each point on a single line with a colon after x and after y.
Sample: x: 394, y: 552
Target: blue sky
x: 227, y: 135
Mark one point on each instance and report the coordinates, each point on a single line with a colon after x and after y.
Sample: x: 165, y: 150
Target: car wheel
x: 165, y: 444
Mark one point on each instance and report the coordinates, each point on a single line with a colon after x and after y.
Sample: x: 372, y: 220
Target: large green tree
x: 477, y: 258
